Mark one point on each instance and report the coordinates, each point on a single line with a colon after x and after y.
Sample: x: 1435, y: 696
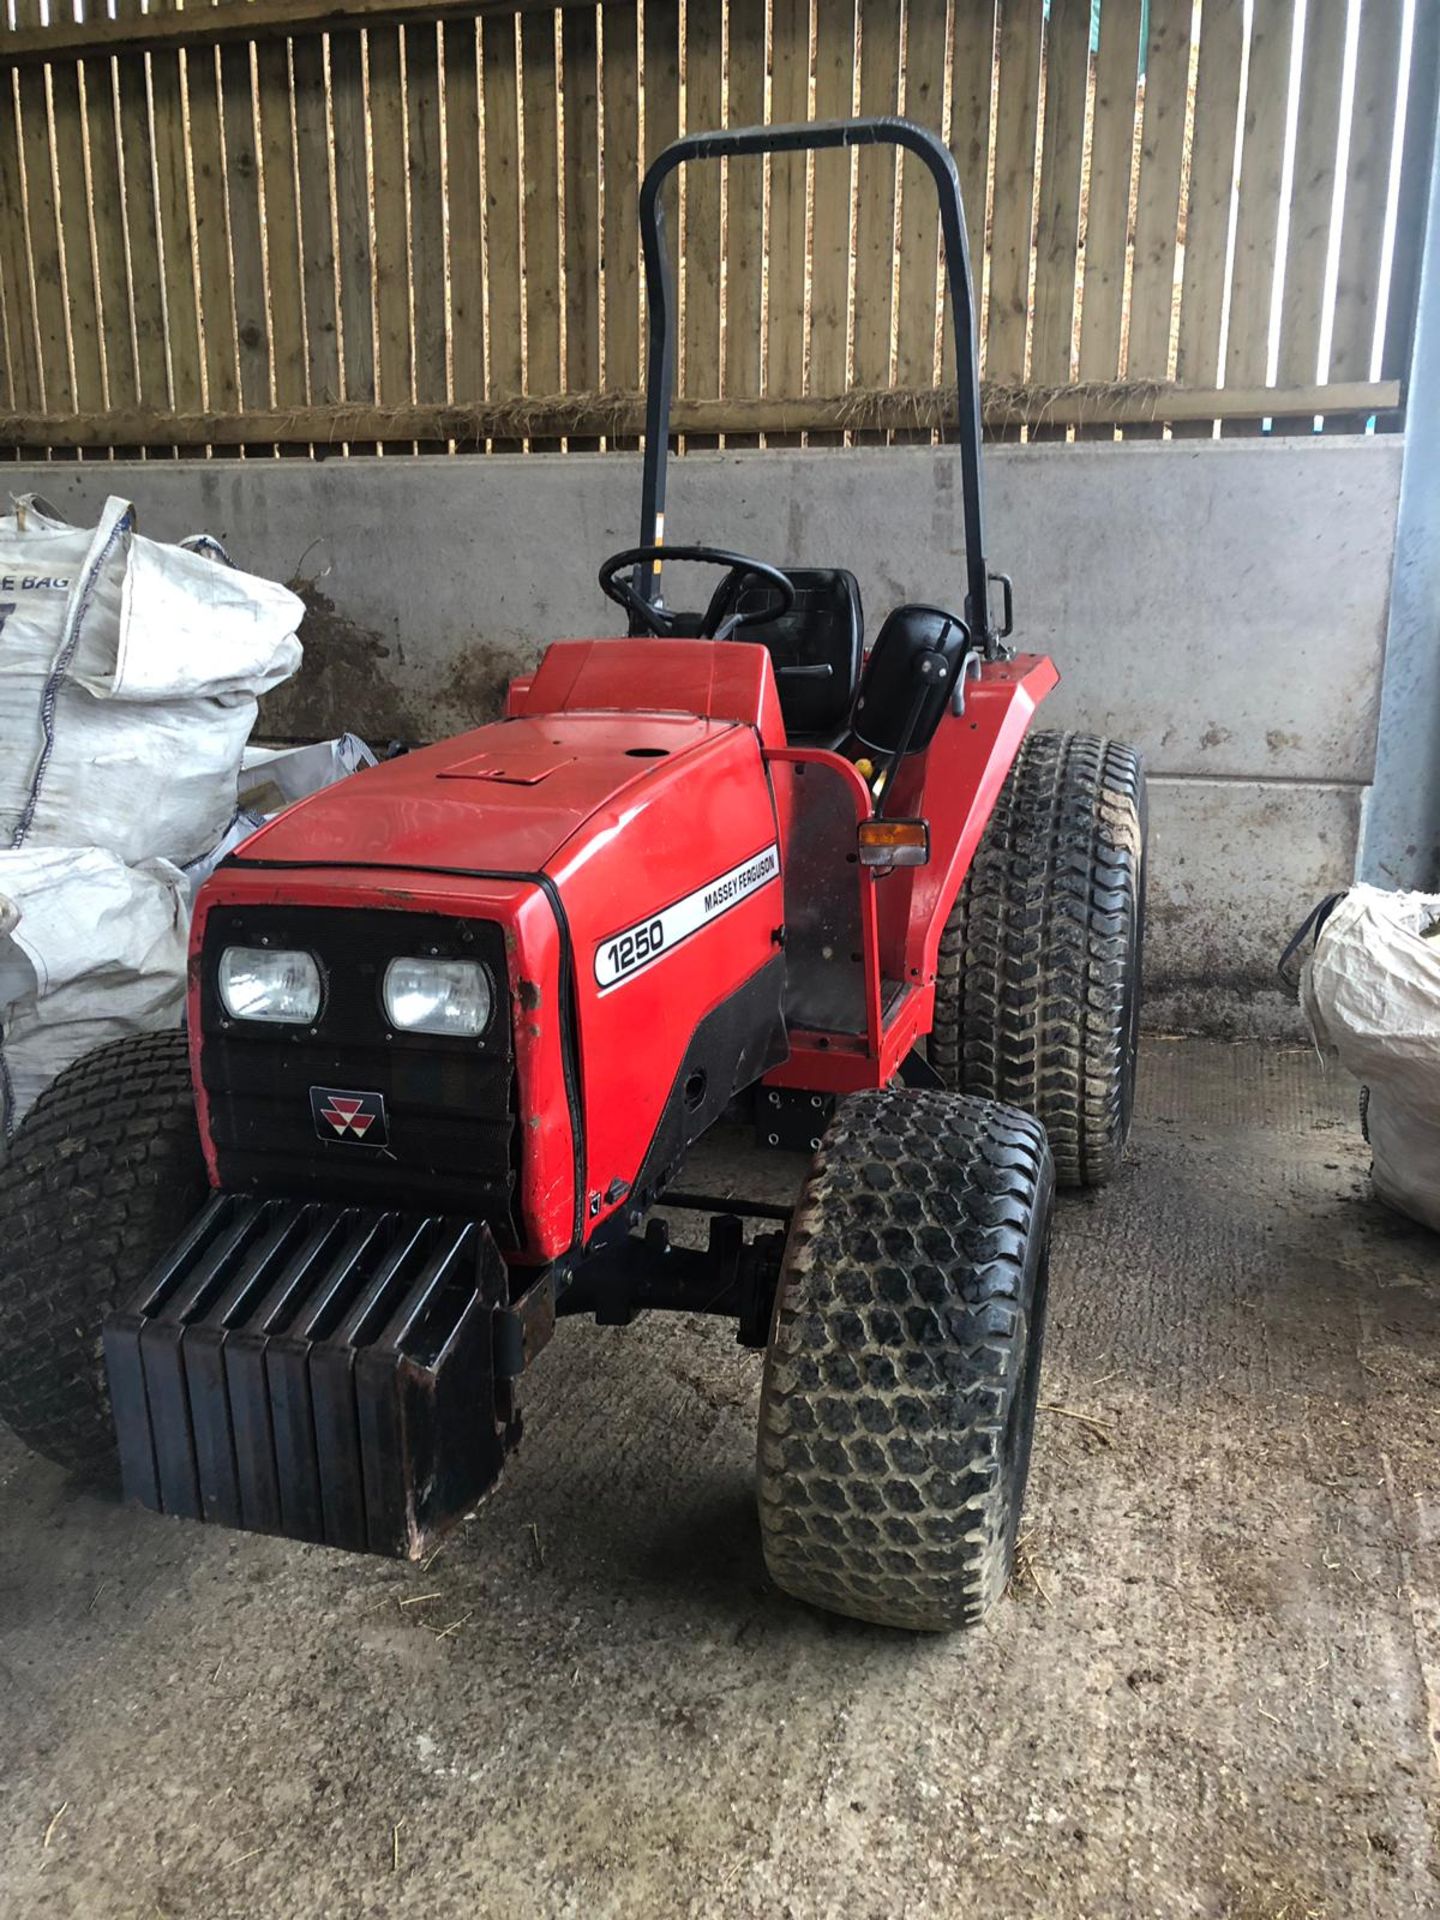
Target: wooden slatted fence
x: 273, y: 225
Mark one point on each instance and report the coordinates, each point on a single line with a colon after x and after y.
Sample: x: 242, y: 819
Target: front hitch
x: 732, y: 1277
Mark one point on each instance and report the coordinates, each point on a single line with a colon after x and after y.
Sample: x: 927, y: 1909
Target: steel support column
x: 1402, y: 833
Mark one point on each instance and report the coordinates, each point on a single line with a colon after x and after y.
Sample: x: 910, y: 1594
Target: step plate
x: 321, y: 1372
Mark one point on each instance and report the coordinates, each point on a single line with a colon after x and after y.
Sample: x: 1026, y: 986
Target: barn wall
x: 408, y: 234
x: 1221, y: 604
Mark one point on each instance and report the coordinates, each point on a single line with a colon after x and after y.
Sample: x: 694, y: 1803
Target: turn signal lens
x: 261, y: 983
x: 894, y: 843
x: 438, y: 996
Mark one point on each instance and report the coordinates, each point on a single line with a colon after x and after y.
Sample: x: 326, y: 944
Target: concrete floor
x: 1214, y: 1693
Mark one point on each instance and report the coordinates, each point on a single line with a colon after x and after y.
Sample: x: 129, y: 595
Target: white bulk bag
x: 129, y: 673
x: 272, y: 778
x: 90, y: 951
x: 1371, y: 992
x: 276, y: 777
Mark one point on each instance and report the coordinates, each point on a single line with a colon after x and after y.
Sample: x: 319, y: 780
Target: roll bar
x: 816, y: 136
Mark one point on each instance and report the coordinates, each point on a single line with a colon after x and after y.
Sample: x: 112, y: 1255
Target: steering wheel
x: 663, y: 622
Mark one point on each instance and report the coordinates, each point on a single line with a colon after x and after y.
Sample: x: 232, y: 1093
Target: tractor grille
x: 449, y: 1105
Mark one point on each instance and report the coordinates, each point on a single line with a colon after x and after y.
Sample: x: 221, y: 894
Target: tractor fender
x: 954, y: 785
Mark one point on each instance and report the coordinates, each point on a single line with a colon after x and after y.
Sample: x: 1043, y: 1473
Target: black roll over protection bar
x: 813, y: 137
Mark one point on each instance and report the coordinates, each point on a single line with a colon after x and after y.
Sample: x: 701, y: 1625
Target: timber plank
x: 1004, y: 408
x: 352, y: 216
x: 972, y: 90
x: 1257, y: 217
x: 43, y: 224
x: 147, y: 312
x: 212, y: 244
x: 1207, y: 216
x: 832, y: 196
x: 541, y: 205
x: 247, y: 247
x: 427, y: 213
x: 461, y: 49
x: 68, y: 124
x: 745, y: 212
x: 699, y: 372
x: 314, y: 150
x: 395, y: 369
x: 282, y: 223
x: 502, y: 213
x: 580, y: 78
x: 621, y: 91
x: 1108, y: 208
x: 789, y: 101
x: 177, y: 238
x: 1020, y: 38
x: 1058, y: 234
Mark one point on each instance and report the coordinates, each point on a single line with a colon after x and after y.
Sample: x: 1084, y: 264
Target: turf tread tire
x: 902, y: 1369
x: 1038, y: 989
x: 104, y: 1173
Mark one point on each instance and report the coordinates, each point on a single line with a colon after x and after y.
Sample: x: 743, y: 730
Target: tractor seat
x: 816, y: 647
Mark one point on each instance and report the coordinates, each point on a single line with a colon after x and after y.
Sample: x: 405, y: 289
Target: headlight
x: 438, y: 996
x: 258, y: 983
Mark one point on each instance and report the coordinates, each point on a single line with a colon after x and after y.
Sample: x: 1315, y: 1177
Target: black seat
x: 817, y: 647
x: 910, y: 678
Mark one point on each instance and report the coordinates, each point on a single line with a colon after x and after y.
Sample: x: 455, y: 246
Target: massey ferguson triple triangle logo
x: 340, y: 1113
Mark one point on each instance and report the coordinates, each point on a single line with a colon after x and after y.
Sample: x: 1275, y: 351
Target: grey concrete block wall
x: 1222, y: 605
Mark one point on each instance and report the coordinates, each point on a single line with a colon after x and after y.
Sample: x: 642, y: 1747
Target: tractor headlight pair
x: 450, y: 997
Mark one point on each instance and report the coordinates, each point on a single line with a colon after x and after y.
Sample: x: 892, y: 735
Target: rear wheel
x: 104, y: 1174
x: 1038, y: 997
x: 904, y: 1361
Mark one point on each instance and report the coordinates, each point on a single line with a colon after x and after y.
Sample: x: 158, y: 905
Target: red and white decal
x: 357, y: 1118
x: 622, y: 955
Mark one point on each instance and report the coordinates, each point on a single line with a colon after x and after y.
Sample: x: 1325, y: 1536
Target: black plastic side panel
x: 322, y: 1372
x: 732, y: 1047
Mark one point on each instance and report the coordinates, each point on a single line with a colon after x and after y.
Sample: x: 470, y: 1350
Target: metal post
x: 1402, y: 830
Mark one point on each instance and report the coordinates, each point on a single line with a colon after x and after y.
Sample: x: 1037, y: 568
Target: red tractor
x: 454, y: 1024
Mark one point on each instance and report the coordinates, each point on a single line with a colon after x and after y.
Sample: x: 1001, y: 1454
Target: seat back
x: 893, y: 681
x: 816, y: 648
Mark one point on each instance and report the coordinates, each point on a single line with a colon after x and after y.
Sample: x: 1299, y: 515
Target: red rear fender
x: 954, y: 785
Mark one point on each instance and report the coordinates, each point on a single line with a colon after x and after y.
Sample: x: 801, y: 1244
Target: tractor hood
x: 503, y: 799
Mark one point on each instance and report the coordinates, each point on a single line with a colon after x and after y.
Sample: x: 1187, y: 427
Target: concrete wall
x: 1221, y: 605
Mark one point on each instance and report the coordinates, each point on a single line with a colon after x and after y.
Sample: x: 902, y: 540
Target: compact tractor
x: 454, y: 1024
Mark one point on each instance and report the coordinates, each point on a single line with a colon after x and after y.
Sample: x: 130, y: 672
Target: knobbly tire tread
x: 902, y: 1370
x: 1038, y: 990
x: 104, y: 1173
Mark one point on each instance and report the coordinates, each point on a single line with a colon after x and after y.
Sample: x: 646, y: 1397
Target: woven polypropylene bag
x: 90, y: 950
x: 129, y: 672
x: 1371, y: 992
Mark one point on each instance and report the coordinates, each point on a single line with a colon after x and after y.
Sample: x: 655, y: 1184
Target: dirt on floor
x: 1213, y: 1690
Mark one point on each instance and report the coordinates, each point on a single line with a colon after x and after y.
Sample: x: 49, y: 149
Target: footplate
x: 322, y: 1372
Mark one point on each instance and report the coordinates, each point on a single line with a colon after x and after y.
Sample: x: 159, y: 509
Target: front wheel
x: 903, y: 1368
x: 103, y: 1176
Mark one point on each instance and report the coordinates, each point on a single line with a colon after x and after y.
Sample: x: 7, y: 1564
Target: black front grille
x: 449, y: 1104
